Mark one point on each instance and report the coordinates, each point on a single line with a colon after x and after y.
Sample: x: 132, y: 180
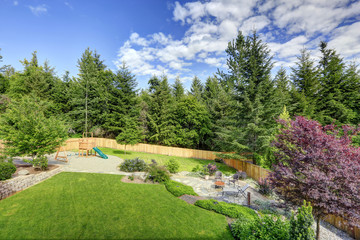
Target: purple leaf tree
x: 318, y: 164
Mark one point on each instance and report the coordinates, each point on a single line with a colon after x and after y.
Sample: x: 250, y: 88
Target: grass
x: 100, y: 206
x: 186, y: 164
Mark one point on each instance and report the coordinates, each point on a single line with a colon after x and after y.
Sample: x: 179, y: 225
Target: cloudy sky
x: 176, y: 38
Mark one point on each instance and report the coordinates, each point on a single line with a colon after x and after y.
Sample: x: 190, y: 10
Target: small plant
x: 219, y: 160
x: 158, y: 174
x: 197, y: 169
x: 153, y: 163
x: 300, y: 225
x: 228, y: 209
x: 264, y: 187
x: 39, y: 163
x: 6, y: 170
x: 133, y: 165
x: 179, y: 189
x: 131, y: 177
x: 173, y: 166
x: 242, y: 175
x: 210, y: 168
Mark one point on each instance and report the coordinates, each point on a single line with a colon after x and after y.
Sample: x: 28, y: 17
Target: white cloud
x: 16, y: 3
x: 287, y: 27
x: 38, y: 10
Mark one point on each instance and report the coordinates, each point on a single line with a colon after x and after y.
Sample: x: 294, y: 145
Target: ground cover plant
x: 179, y: 189
x: 228, y: 209
x: 100, y: 206
x: 186, y: 164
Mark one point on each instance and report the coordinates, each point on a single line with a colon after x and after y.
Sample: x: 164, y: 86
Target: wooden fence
x: 147, y: 148
x: 251, y: 170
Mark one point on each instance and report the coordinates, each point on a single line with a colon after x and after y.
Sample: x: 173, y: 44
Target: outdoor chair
x: 234, y: 178
x: 243, y: 189
x: 218, y: 176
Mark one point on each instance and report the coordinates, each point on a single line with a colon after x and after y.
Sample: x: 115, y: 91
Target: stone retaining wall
x: 19, y: 183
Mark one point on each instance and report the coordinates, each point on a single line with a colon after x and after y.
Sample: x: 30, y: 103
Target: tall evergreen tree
x: 123, y: 103
x: 306, y: 85
x: 351, y: 90
x: 250, y: 64
x: 196, y: 88
x: 282, y: 88
x: 178, y: 89
x: 331, y: 105
x: 160, y: 102
x: 89, y: 95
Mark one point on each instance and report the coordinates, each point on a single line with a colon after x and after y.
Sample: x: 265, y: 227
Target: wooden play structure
x: 86, y: 145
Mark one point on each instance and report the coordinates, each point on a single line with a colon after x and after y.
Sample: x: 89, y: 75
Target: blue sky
x: 176, y: 38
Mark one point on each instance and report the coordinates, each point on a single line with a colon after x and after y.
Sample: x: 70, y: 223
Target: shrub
x: 173, y: 166
x: 219, y: 160
x: 158, y: 174
x: 264, y: 187
x: 179, y: 189
x: 228, y: 209
x: 210, y: 168
x: 39, y: 162
x: 133, y: 165
x: 300, y: 225
x: 267, y: 227
x: 6, y: 170
x: 131, y: 177
x: 197, y: 169
x: 242, y: 175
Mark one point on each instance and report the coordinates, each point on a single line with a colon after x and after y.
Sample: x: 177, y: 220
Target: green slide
x: 101, y: 154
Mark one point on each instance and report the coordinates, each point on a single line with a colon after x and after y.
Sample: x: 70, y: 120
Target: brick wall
x: 19, y: 183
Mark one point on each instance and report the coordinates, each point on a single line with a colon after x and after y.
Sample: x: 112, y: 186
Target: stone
x: 23, y: 172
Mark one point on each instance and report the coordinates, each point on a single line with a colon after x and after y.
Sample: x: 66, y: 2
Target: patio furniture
x: 234, y: 179
x: 235, y: 192
x: 219, y: 184
x: 218, y: 175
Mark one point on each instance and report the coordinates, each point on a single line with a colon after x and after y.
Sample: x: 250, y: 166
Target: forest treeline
x: 232, y: 111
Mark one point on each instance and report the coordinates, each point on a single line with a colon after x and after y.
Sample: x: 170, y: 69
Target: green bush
x: 158, y: 174
x: 6, y: 170
x: 133, y: 165
x: 300, y: 225
x: 173, y: 166
x: 228, y: 209
x: 267, y: 227
x: 179, y: 189
x: 39, y: 162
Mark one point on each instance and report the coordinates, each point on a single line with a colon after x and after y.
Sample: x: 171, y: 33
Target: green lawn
x: 186, y: 164
x: 100, y: 206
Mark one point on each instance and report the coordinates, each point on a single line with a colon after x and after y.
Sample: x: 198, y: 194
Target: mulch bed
x: 31, y: 169
x: 126, y: 179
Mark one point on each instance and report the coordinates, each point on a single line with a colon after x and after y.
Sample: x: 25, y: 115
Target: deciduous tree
x: 318, y: 164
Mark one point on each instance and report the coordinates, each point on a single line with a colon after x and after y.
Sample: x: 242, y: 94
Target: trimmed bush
x: 158, y: 174
x: 6, y: 170
x: 173, y: 166
x: 179, y: 189
x: 133, y: 165
x: 300, y: 225
x: 228, y: 209
x: 267, y: 227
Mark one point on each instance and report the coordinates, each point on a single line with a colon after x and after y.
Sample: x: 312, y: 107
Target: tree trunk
x: 318, y: 228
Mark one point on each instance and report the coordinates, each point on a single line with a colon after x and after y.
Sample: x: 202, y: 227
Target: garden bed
x: 31, y: 169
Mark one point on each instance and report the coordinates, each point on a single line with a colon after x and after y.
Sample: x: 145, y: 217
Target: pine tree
x: 123, y: 103
x: 306, y: 85
x: 178, y: 89
x: 250, y: 64
x: 282, y: 88
x: 161, y: 130
x: 331, y: 105
x: 351, y: 90
x: 89, y: 95
x: 196, y: 88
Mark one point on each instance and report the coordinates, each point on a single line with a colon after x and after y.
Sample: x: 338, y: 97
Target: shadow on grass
x: 122, y: 152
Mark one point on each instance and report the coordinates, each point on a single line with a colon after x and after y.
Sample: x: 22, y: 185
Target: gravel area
x: 329, y: 232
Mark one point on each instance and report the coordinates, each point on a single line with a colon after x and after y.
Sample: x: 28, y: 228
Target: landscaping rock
x: 23, y: 172
x: 139, y: 175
